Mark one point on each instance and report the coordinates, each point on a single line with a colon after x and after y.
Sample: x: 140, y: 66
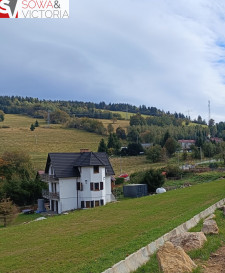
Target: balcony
x: 50, y: 195
x: 49, y: 178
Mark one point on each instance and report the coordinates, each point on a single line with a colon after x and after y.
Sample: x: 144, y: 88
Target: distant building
x: 216, y: 139
x: 146, y: 145
x: 186, y: 144
x: 78, y: 180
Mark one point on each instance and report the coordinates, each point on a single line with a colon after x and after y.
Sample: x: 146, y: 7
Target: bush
x: 153, y: 178
x: 173, y: 171
x: 213, y: 165
x: 154, y: 153
x: 119, y: 180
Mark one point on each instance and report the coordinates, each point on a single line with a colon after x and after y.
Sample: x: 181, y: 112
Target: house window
x: 79, y: 186
x: 82, y: 204
x: 97, y: 203
x: 54, y: 187
x: 88, y: 204
x: 94, y: 186
x: 96, y: 169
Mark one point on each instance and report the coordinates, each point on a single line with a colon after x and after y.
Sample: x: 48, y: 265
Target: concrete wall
x: 140, y: 257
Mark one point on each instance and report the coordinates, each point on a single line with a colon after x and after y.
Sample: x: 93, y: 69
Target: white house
x: 78, y: 180
x: 186, y: 143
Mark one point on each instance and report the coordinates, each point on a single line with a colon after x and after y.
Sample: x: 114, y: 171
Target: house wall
x: 108, y: 188
x: 88, y: 176
x: 67, y: 194
x: 70, y: 198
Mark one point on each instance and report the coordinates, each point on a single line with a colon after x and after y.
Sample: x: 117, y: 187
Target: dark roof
x: 66, y: 164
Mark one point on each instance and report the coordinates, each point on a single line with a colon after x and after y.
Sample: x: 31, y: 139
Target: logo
x: 34, y: 9
x: 8, y: 8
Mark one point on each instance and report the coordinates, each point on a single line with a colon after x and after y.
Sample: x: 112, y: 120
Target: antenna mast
x: 209, y: 108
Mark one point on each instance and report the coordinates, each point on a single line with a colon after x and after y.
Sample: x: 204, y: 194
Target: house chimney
x: 84, y: 151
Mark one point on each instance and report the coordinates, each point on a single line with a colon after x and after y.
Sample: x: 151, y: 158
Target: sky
x: 163, y: 53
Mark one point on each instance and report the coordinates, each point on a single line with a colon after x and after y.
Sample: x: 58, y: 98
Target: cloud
x: 168, y: 54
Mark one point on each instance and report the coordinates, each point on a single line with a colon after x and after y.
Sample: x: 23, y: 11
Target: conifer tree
x: 36, y: 124
x: 102, y: 146
x: 32, y: 127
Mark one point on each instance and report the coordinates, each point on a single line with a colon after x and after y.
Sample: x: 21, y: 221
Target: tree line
x: 39, y: 108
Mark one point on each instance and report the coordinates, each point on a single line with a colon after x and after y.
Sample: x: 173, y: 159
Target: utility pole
x: 49, y: 118
x: 127, y: 113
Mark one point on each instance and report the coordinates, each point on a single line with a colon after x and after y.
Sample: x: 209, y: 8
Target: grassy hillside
x: 127, y: 116
x: 43, y: 140
x: 92, y: 240
x: 57, y: 139
x: 119, y: 123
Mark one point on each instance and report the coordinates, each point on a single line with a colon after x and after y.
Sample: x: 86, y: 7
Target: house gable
x: 69, y: 164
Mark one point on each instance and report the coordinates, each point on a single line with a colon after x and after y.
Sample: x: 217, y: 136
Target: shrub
x: 213, y: 165
x: 154, y: 179
x: 154, y: 153
x: 119, y: 180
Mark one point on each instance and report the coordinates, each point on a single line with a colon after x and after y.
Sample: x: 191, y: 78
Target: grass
x: 119, y: 123
x: 43, y: 140
x: 92, y: 240
x: 213, y: 241
x: 127, y: 115
x: 195, y: 178
x: 131, y: 164
x: 201, y: 255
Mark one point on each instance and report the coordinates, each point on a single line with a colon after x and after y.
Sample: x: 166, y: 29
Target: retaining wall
x: 140, y: 257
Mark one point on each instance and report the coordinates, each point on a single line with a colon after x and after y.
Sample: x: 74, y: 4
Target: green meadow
x: 92, y: 240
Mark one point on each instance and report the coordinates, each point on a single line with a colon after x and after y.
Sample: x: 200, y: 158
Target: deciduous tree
x: 8, y: 211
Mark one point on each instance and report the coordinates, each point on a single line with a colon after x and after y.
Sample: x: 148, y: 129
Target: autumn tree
x: 20, y: 182
x: 8, y: 211
x: 137, y: 120
x: 59, y: 116
x: 110, y: 128
x: 120, y: 132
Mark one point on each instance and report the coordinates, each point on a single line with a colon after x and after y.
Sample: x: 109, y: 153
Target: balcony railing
x: 50, y: 195
x: 49, y: 178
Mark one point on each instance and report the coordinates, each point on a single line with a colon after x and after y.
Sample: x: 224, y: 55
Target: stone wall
x: 140, y: 257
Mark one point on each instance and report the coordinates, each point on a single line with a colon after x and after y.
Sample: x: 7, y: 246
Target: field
x: 44, y: 139
x: 119, y: 123
x: 93, y: 240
